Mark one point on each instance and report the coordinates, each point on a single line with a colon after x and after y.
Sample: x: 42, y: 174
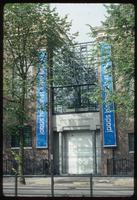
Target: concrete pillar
x: 94, y: 153
x: 60, y: 152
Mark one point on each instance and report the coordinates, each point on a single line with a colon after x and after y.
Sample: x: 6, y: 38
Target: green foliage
x: 119, y: 28
x: 28, y: 28
x: 17, y: 158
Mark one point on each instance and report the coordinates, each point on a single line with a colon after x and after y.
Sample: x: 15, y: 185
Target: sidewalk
x: 75, y: 181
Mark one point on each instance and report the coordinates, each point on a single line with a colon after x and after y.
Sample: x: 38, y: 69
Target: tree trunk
x: 21, y: 159
x: 21, y: 150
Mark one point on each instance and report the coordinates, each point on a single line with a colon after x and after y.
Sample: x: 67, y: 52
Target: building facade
x: 77, y: 127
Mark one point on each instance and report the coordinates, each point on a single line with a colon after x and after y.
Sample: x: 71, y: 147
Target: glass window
x: 131, y: 142
x: 27, y: 137
x: 15, y: 140
x: 74, y: 98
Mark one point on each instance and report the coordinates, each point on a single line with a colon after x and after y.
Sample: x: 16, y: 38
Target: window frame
x: 30, y: 137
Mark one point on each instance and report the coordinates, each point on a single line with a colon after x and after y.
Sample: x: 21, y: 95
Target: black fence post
x: 52, y: 177
x: 91, y: 186
x: 52, y: 185
x: 43, y: 167
x: 16, y: 184
x: 108, y: 171
x: 6, y: 166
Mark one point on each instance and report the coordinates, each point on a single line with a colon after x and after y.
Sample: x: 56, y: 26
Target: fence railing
x: 117, y: 166
x: 120, y: 166
x: 31, y: 166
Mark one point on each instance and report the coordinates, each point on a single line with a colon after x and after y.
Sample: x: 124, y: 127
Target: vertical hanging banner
x: 41, y: 119
x: 108, y: 109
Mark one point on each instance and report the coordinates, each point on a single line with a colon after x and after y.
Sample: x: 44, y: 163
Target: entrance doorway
x: 78, y: 147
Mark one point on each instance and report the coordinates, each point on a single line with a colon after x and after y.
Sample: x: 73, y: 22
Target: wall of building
x: 123, y: 158
x: 77, y: 127
x: 76, y: 121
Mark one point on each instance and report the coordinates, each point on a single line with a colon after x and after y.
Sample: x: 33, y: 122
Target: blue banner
x: 41, y: 119
x: 108, y: 109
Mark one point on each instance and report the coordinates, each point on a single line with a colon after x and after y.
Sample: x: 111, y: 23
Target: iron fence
x: 120, y: 166
x: 33, y: 167
x: 117, y: 166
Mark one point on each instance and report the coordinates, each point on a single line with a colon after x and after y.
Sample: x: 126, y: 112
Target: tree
x: 27, y: 29
x: 119, y: 29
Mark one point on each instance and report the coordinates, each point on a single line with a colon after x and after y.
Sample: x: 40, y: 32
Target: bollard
x: 16, y: 184
x: 91, y: 186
